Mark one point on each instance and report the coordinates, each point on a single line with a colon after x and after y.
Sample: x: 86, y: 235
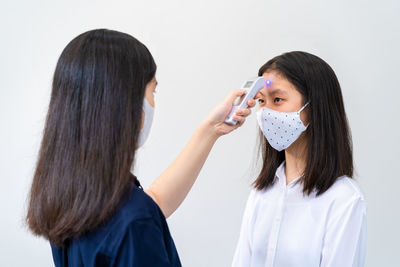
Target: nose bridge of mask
x: 287, y: 113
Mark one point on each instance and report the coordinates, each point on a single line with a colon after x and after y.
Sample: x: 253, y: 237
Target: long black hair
x: 90, y: 135
x: 329, y: 151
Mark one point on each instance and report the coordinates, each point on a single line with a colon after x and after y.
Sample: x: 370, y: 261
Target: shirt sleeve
x: 143, y: 245
x: 242, y: 255
x: 345, y: 237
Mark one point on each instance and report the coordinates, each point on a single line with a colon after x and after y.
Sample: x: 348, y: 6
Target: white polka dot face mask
x: 280, y: 129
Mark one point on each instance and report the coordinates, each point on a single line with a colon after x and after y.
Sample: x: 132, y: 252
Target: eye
x: 277, y: 100
x: 260, y: 101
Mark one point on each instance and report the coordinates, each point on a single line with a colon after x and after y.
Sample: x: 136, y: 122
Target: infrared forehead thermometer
x: 252, y: 86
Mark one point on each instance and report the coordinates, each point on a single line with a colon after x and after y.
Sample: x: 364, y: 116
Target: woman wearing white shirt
x: 305, y: 209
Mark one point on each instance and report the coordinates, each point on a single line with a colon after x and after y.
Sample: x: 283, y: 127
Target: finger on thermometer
x: 251, y: 103
x: 243, y: 112
x: 239, y: 119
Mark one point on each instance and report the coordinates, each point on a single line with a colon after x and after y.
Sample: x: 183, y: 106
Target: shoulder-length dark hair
x: 90, y: 135
x: 329, y: 151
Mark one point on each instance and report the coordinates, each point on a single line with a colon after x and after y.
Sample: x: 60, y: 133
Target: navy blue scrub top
x: 137, y: 235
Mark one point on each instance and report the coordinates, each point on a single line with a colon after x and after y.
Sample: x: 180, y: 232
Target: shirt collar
x: 281, y: 176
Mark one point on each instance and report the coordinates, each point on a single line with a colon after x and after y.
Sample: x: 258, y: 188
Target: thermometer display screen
x: 248, y: 84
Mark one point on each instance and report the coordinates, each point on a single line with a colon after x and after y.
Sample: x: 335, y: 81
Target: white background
x: 203, y: 50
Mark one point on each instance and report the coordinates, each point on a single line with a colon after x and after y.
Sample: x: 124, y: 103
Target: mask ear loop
x: 298, y: 112
x: 303, y: 107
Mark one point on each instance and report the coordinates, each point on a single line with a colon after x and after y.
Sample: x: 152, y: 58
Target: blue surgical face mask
x: 281, y: 129
x: 148, y: 121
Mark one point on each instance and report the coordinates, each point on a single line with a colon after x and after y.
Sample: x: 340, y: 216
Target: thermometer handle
x: 257, y: 86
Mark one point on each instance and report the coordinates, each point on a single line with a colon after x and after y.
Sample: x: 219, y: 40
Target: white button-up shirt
x: 282, y: 227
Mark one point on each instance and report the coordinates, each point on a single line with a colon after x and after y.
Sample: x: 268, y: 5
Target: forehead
x: 275, y: 82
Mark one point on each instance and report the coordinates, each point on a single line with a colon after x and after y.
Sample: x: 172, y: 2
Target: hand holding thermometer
x: 252, y: 86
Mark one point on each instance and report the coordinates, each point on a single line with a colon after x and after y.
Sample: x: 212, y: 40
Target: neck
x: 295, y: 157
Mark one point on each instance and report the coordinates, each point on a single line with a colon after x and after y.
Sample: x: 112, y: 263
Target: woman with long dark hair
x: 305, y: 209
x: 83, y: 198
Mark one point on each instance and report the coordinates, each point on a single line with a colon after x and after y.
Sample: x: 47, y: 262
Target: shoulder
x: 139, y: 205
x: 137, y: 208
x: 255, y: 197
x: 344, y: 196
x: 345, y: 188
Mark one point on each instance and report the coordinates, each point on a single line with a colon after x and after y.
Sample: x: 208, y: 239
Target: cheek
x: 150, y: 98
x: 152, y: 102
